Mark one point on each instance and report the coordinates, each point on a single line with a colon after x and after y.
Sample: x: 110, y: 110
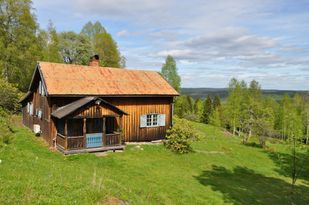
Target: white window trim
x: 160, y: 120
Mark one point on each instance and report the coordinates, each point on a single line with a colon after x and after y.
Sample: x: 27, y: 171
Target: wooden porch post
x: 84, y: 131
x: 104, y: 131
x: 120, y: 128
x: 66, y: 133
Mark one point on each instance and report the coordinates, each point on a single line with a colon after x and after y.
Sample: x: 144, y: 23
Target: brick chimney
x: 94, y: 61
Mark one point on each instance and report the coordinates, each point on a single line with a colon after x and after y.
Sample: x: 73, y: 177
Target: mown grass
x: 220, y: 171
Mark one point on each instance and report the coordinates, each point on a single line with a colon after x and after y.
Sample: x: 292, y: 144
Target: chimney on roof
x: 94, y: 60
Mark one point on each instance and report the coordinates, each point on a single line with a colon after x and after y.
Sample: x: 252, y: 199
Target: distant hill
x: 223, y: 92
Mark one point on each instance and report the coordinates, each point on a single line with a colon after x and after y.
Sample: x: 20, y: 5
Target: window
x: 155, y: 120
x: 41, y: 89
x: 30, y: 109
x: 152, y: 120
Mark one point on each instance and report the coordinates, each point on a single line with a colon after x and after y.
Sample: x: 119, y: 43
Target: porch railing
x: 76, y: 142
x: 112, y: 139
x: 79, y: 142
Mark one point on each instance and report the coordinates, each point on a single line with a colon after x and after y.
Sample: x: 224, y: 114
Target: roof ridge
x: 113, y: 68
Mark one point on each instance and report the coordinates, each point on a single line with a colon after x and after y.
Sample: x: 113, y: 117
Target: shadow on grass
x: 253, y: 144
x: 244, y: 186
x: 284, y: 164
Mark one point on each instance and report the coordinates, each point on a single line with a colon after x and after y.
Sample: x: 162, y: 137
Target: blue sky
x: 212, y: 41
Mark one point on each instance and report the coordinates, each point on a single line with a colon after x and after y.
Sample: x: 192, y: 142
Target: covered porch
x: 88, y: 125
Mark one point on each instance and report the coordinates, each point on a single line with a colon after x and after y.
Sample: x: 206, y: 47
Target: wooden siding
x: 95, y: 111
x: 135, y: 107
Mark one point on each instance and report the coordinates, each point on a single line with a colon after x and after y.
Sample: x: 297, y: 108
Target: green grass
x: 220, y: 171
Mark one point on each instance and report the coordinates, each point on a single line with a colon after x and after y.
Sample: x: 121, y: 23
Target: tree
x: 198, y: 109
x: 306, y: 116
x: 216, y: 102
x: 214, y: 118
x: 104, y: 45
x: 9, y: 96
x: 91, y: 30
x: 251, y: 109
x: 182, y: 106
x: 207, y: 110
x: 169, y: 72
x: 294, y: 132
x: 233, y: 105
x: 180, y: 137
x: 20, y: 48
x: 107, y: 49
x: 75, y: 48
x: 50, y: 44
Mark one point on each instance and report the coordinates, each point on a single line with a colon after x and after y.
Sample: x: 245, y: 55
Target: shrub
x: 181, y: 136
x: 9, y: 96
x: 5, y: 130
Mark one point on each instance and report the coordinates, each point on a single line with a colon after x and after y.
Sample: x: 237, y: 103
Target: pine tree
x: 207, y: 110
x: 182, y: 106
x: 214, y: 118
x: 216, y: 102
x: 169, y: 72
x: 190, y: 104
x: 198, y: 109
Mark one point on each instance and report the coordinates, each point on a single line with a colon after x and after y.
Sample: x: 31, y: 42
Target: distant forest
x: 223, y: 92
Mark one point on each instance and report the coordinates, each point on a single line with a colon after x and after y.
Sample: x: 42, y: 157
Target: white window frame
x: 152, y: 120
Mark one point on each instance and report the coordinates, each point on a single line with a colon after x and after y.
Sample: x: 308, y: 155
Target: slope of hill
x: 220, y: 171
x: 223, y: 92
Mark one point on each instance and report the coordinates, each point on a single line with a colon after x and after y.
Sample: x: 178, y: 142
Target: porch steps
x: 97, y: 149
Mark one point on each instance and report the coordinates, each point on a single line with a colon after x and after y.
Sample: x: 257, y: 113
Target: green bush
x: 5, y: 130
x: 180, y: 137
x: 9, y: 96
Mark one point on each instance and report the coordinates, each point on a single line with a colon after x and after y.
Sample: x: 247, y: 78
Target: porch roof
x: 71, y: 107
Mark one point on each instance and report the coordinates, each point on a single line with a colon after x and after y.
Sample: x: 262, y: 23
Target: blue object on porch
x: 94, y: 140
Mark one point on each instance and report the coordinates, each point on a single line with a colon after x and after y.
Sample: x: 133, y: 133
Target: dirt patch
x: 113, y: 201
x: 227, y: 134
x: 101, y: 154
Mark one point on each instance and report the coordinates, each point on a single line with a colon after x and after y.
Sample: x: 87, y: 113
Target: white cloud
x: 122, y: 33
x: 241, y: 37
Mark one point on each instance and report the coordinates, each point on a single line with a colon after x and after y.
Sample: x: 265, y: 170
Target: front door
x: 94, y: 140
x: 94, y: 132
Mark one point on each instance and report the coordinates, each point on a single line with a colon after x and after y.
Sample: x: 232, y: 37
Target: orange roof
x: 69, y: 79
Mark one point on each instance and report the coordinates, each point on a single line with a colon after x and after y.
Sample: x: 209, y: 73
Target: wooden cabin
x: 90, y: 108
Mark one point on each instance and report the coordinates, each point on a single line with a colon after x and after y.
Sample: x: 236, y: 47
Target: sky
x: 212, y: 41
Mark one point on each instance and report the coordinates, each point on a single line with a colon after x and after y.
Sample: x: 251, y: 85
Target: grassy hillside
x: 220, y: 171
x: 223, y: 92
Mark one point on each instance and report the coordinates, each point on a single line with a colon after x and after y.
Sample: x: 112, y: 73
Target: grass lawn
x: 220, y: 171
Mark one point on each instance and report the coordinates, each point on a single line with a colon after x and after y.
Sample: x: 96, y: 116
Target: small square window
x: 152, y: 120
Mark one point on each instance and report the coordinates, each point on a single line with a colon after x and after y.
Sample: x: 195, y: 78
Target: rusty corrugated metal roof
x: 70, y: 79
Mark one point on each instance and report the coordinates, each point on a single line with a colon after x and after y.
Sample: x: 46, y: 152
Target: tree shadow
x: 244, y: 186
x: 284, y: 164
x: 253, y: 144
